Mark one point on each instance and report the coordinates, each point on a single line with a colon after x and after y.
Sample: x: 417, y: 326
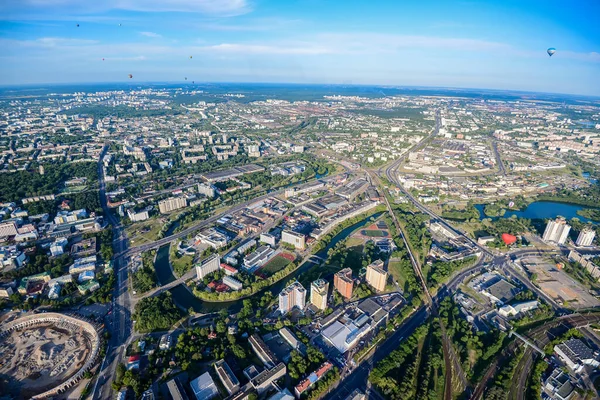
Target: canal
x: 185, y: 299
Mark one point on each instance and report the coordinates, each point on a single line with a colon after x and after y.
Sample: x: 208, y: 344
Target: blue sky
x: 475, y: 44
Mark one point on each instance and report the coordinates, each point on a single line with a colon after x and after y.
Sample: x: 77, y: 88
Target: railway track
x: 539, y: 335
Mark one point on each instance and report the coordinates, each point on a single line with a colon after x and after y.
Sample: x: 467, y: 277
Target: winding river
x: 185, y: 299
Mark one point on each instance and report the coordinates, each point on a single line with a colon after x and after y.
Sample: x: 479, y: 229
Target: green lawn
x: 144, y: 232
x: 277, y: 263
x: 394, y: 270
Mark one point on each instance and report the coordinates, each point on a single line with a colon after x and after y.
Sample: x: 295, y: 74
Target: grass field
x: 394, y: 269
x: 353, y: 242
x: 277, y: 263
x: 144, y: 232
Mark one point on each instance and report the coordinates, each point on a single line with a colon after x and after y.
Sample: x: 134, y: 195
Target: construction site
x: 47, y: 354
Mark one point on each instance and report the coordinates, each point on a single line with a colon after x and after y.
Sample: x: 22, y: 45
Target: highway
x: 119, y: 322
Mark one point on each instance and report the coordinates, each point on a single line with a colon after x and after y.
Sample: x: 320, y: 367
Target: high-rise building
x: 208, y: 265
x: 376, y: 275
x: 318, y: 293
x: 586, y: 237
x: 557, y: 231
x: 292, y: 296
x: 343, y: 282
x: 172, y: 204
x: 294, y: 238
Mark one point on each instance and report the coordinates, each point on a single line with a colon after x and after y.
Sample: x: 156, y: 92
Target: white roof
x: 204, y: 387
x: 282, y: 395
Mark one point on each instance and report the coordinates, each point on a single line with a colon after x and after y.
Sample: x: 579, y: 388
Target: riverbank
x: 185, y: 300
x: 319, y: 249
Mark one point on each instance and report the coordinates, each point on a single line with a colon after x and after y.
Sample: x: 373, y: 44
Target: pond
x: 185, y: 299
x: 541, y: 210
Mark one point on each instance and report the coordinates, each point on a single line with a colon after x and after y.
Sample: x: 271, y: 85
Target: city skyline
x: 466, y: 44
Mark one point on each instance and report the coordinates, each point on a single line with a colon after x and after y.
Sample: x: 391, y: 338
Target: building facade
x: 376, y: 276
x: 343, y: 282
x: 292, y: 296
x: 586, y: 237
x: 208, y: 265
x: 294, y: 238
x: 318, y: 293
x: 172, y: 204
x: 557, y: 231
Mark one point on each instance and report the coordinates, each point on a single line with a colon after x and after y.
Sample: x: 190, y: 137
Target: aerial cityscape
x: 207, y: 238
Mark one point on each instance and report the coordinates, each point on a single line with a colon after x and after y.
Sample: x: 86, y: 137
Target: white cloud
x: 150, y: 34
x: 212, y: 7
x: 58, y: 41
x: 240, y: 48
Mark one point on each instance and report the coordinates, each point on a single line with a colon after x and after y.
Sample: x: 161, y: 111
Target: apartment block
x: 343, y: 282
x: 318, y: 293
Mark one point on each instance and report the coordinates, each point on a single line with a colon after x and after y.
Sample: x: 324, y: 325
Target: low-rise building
x: 263, y: 381
x: 313, y: 378
x: 261, y: 350
x: 576, y: 354
x: 515, y: 309
x: 232, y: 283
x: 228, y: 379
x: 558, y: 386
x: 258, y: 258
x: 165, y: 342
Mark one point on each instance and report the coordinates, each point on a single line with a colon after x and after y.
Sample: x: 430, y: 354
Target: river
x: 185, y: 299
x: 541, y: 210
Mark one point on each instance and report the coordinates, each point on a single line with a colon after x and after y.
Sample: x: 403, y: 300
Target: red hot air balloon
x: 508, y: 239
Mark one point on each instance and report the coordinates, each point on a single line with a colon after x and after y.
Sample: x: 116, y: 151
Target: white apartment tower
x: 557, y: 231
x: 292, y: 296
x: 586, y: 237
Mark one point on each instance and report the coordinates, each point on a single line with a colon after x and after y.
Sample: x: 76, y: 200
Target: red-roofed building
x: 229, y: 270
x: 221, y: 287
x: 313, y: 378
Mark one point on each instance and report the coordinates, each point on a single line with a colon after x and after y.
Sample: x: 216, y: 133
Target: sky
x: 467, y: 44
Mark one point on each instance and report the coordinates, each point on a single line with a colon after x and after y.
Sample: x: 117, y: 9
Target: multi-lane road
x: 119, y: 322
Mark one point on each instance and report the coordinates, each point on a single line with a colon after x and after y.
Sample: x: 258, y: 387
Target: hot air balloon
x: 190, y: 57
x: 186, y: 78
x: 103, y: 59
x: 77, y: 25
x: 509, y: 239
x: 130, y: 76
x: 551, y: 51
